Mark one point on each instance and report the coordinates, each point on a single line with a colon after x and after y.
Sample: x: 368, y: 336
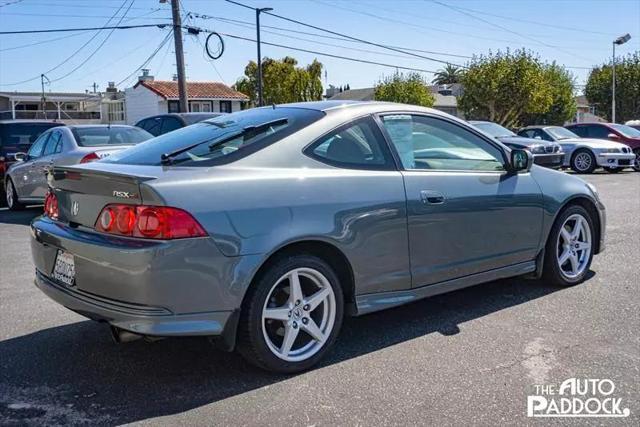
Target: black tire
x: 12, y: 202
x: 551, y: 270
x: 613, y: 170
x: 251, y: 341
x: 576, y: 167
x: 636, y: 164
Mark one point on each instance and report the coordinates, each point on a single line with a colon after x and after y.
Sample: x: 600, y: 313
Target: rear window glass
x: 219, y: 140
x: 22, y: 134
x: 105, y: 135
x: 190, y: 119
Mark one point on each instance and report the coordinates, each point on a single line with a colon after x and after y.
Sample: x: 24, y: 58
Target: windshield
x: 560, y: 133
x: 220, y: 140
x: 109, y: 135
x: 627, y: 131
x: 494, y: 129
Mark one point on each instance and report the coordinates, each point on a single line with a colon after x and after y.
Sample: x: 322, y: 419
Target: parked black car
x: 17, y: 136
x: 163, y: 123
x: 545, y: 153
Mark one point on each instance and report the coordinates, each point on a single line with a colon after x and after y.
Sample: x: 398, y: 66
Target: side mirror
x: 521, y: 160
x: 613, y: 136
x: 20, y: 157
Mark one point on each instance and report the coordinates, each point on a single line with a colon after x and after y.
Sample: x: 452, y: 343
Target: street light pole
x: 619, y: 41
x: 258, y: 10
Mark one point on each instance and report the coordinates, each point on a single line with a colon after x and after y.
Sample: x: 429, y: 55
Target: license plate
x: 65, y: 268
x: 624, y: 162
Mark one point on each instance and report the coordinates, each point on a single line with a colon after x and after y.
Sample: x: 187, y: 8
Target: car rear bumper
x: 616, y: 160
x: 554, y: 160
x: 158, y: 288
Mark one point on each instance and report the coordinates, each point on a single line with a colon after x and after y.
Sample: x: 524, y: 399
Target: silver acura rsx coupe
x: 263, y: 228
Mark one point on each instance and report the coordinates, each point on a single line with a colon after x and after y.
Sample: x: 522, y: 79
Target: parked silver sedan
x: 25, y: 181
x: 264, y: 227
x: 584, y: 155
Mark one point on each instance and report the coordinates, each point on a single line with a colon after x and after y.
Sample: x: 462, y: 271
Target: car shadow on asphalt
x: 22, y: 217
x: 76, y: 371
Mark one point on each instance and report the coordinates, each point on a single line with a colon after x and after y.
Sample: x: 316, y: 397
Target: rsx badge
x: 124, y: 194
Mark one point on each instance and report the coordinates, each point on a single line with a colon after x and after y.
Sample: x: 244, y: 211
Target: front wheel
x: 636, y: 163
x: 11, y: 196
x: 292, y: 315
x: 583, y: 161
x: 570, y: 247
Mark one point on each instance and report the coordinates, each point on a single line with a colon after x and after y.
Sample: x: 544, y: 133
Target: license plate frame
x: 64, y: 268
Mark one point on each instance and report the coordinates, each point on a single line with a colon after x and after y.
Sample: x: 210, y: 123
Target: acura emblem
x: 75, y: 207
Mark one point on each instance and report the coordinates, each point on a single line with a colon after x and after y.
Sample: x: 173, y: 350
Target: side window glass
x: 52, y: 144
x: 169, y: 124
x: 544, y: 135
x: 430, y: 143
x: 152, y: 125
x: 581, y: 131
x: 600, y: 132
x: 529, y: 133
x: 358, y: 145
x: 36, y: 149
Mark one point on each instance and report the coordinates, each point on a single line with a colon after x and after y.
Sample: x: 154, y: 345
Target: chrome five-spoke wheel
x: 574, y: 246
x: 298, y: 314
x: 583, y: 161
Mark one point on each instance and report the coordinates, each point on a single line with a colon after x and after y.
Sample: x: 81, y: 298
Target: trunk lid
x: 83, y: 192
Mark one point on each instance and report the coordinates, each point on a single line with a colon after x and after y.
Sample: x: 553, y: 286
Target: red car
x: 612, y: 131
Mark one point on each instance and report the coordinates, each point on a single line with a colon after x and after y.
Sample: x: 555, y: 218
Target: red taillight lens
x: 150, y: 222
x: 51, y: 205
x: 90, y: 158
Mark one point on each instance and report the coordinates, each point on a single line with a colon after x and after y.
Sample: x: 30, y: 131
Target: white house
x: 150, y: 97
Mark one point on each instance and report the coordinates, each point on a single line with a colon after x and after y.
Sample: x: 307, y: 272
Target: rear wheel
x: 292, y: 315
x: 583, y: 161
x: 11, y: 196
x: 570, y: 247
x: 613, y: 170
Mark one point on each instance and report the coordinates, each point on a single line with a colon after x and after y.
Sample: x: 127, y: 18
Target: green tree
x: 282, y: 81
x: 407, y: 89
x: 563, y: 106
x: 598, y: 90
x: 448, y: 75
x: 507, y: 88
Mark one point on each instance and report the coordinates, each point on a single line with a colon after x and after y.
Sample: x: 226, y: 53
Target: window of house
x: 430, y: 143
x: 200, y: 106
x: 173, y: 107
x: 225, y: 106
x: 358, y: 145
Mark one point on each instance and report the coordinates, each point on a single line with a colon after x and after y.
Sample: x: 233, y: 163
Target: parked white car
x: 584, y: 155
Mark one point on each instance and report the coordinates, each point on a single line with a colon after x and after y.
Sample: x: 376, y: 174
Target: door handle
x: 432, y: 197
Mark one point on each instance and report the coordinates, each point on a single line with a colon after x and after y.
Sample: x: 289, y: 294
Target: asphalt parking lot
x: 468, y: 357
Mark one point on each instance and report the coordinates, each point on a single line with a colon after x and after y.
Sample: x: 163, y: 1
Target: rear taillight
x: 51, y: 205
x: 90, y: 157
x: 149, y: 222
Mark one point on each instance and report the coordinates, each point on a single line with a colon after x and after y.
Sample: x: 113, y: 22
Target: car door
x: 24, y: 175
x: 466, y: 213
x: 40, y: 165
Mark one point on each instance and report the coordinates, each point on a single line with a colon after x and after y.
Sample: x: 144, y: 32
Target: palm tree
x: 450, y: 74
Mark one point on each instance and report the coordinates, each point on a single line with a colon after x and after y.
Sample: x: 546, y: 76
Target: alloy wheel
x: 636, y: 164
x: 583, y: 161
x: 574, y: 246
x: 299, y: 314
x: 9, y: 193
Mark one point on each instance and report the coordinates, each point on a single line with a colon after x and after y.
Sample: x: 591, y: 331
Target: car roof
x: 31, y: 122
x: 98, y: 126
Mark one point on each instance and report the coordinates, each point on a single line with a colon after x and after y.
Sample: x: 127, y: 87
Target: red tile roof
x: 195, y: 90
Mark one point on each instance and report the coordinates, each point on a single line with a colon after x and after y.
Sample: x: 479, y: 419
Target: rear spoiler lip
x: 137, y: 179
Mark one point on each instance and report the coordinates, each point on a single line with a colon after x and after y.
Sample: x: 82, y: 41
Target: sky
x: 575, y: 33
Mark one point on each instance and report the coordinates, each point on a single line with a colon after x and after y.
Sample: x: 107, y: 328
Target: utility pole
x: 177, y: 38
x: 258, y: 11
x: 43, y: 99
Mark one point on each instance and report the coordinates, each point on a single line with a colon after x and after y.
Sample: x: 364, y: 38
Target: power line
x: 252, y: 24
x: 65, y: 15
x: 315, y: 52
x: 70, y: 56
x: 146, y: 61
x: 124, y: 15
x: 346, y: 36
x: 61, y: 30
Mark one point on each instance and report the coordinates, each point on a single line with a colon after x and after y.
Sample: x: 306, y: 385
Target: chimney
x: 111, y: 87
x: 145, y: 76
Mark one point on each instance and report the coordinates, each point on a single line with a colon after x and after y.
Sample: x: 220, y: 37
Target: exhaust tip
x: 120, y: 336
